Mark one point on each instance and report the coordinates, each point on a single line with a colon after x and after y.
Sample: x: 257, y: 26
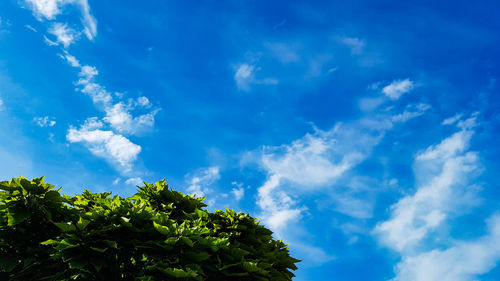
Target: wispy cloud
x: 452, y: 120
x: 356, y: 45
x: 463, y: 261
x: 45, y: 121
x: 397, y: 88
x: 70, y: 59
x: 444, y: 173
x: 119, y: 117
x: 88, y: 20
x: 201, y: 180
x: 238, y: 190
x: 118, y: 114
x: 64, y: 34
x: 50, y: 9
x: 105, y: 144
x: 411, y: 112
x: 313, y: 162
x: 245, y: 76
x: 108, y: 143
x: 31, y: 28
x: 134, y: 181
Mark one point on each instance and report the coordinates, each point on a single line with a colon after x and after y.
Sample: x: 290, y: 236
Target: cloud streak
x: 50, y: 9
x: 444, y: 173
x: 64, y: 34
x: 45, y: 121
x: 463, y: 261
x: 200, y: 181
x: 398, y: 88
x: 105, y: 144
x: 244, y: 77
x: 314, y: 162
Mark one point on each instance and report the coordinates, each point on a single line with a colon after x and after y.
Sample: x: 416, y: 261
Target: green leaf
x: 66, y: 244
x: 161, y: 228
x: 110, y: 243
x: 65, y: 227
x: 201, y: 213
x: 99, y: 249
x: 171, y: 240
x: 125, y: 221
x: 77, y: 264
x: 239, y: 253
x: 82, y: 223
x: 179, y: 273
x: 49, y: 242
x: 198, y: 256
x: 186, y: 241
x: 156, y: 229
x: 17, y: 215
x: 53, y: 196
x: 251, y: 266
x: 8, y: 263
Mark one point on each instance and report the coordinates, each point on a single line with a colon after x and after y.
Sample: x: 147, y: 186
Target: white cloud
x: 354, y: 207
x: 200, y: 181
x: 118, y: 115
x: 276, y: 205
x: 311, y: 163
x: 451, y: 120
x: 356, y: 45
x: 238, y: 191
x: 46, y: 8
x: 443, y: 172
x: 49, y: 42
x: 109, y: 144
x: 311, y: 256
x: 397, y: 88
x: 461, y: 262
x: 144, y: 102
x: 71, y: 60
x: 134, y: 181
x: 245, y: 76
x: 316, y: 160
x: 87, y: 72
x: 105, y: 144
x: 88, y: 20
x: 411, y: 113
x: 418, y: 222
x: 49, y: 9
x: 97, y: 92
x: 31, y: 28
x: 44, y: 121
x: 64, y: 34
x: 1, y: 104
x: 120, y: 119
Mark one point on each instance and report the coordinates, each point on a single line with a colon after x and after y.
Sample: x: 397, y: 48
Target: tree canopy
x: 156, y: 234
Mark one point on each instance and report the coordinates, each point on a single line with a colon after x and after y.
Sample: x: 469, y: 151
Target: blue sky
x: 363, y: 133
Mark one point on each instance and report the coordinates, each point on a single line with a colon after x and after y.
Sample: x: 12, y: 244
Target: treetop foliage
x: 156, y: 234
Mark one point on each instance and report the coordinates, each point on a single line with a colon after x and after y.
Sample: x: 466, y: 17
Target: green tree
x: 157, y: 234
